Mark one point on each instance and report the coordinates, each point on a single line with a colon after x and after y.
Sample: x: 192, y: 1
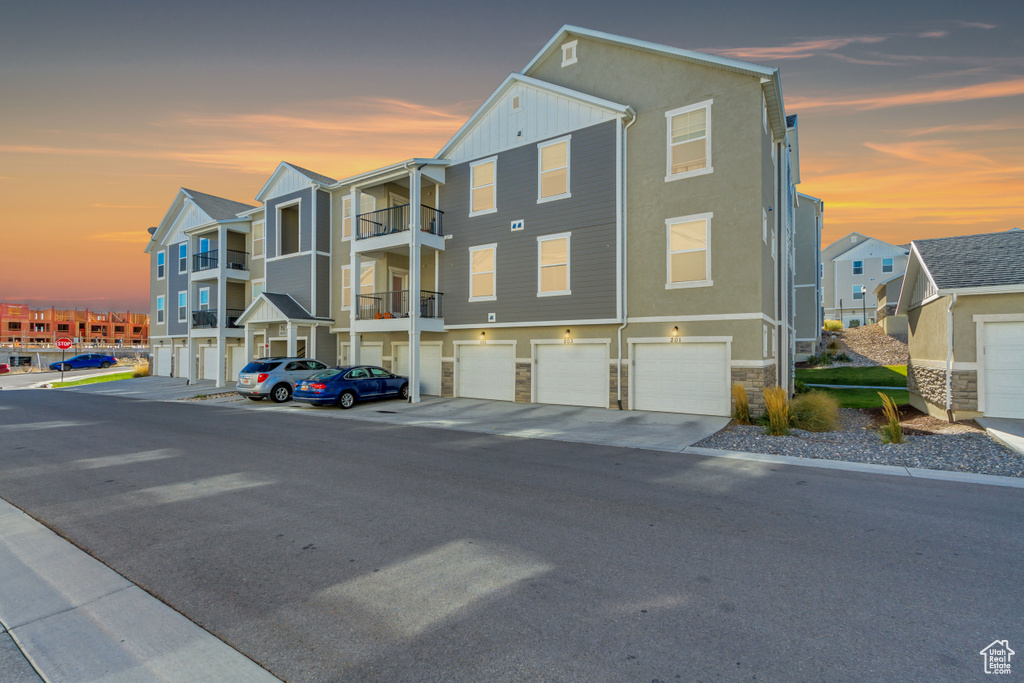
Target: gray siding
x: 175, y: 283
x: 290, y: 276
x: 323, y: 285
x: 589, y: 214
x: 305, y: 221
x: 323, y: 221
x: 326, y: 349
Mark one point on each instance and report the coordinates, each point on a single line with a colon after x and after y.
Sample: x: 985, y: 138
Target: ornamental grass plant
x: 741, y: 404
x: 776, y: 405
x: 814, y: 411
x: 892, y: 431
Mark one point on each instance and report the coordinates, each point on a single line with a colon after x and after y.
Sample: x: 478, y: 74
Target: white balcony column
x: 415, y: 202
x: 222, y: 248
x: 293, y: 342
x: 310, y: 341
x: 193, y: 351
x: 222, y: 298
x: 250, y: 342
x: 355, y: 274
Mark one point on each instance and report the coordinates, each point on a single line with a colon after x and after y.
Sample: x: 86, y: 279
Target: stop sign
x: 64, y: 344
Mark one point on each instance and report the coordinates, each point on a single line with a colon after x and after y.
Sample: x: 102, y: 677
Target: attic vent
x: 515, y: 103
x: 853, y: 239
x: 569, y: 53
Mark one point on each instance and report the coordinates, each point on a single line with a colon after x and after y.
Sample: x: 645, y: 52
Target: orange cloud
x: 798, y: 50
x: 1008, y: 88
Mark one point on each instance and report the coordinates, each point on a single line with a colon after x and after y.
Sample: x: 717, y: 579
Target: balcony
x: 209, y: 260
x: 389, y: 311
x: 207, y: 319
x: 395, y: 219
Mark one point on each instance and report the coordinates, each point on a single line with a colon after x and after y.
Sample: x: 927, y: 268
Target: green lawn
x: 95, y: 380
x: 875, y: 376
x: 865, y: 398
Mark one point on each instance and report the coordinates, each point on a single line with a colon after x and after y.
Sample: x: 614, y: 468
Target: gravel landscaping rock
x: 870, y: 345
x: 858, y: 440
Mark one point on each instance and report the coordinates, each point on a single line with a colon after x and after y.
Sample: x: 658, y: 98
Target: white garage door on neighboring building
x: 571, y: 374
x: 685, y: 377
x: 209, y: 364
x: 486, y: 371
x: 369, y: 354
x: 163, y: 361
x: 430, y: 366
x: 237, y: 361
x: 181, y: 362
x: 1004, y: 369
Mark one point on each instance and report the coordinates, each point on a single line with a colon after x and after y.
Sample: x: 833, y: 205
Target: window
x: 689, y: 141
x: 689, y: 261
x: 858, y: 292
x: 204, y: 245
x: 482, y: 186
x: 553, y: 170
x: 569, y: 53
x: 161, y: 258
x: 764, y: 226
x: 204, y: 298
x: 764, y: 113
x: 257, y: 288
x: 887, y: 265
x: 159, y: 310
x: 553, y: 265
x: 775, y: 332
x: 365, y: 282
x: 482, y: 273
x: 257, y: 239
x: 764, y: 341
x: 182, y: 306
x: 367, y: 203
x: 288, y: 230
x: 182, y: 258
x: 858, y: 267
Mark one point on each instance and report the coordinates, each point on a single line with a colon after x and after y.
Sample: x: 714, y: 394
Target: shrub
x: 776, y: 405
x: 741, y: 411
x: 799, y: 387
x: 833, y: 325
x: 141, y: 370
x: 823, y: 358
x: 814, y: 411
x: 842, y: 357
x: 833, y: 346
x: 892, y: 431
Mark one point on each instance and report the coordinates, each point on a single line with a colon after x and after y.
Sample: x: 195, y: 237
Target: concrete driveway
x: 1005, y: 430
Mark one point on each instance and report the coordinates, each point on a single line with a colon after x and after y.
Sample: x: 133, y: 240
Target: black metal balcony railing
x: 396, y: 219
x: 207, y: 318
x: 236, y: 260
x: 383, y: 305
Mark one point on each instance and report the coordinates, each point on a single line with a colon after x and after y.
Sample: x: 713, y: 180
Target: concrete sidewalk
x: 1006, y: 431
x: 65, y: 616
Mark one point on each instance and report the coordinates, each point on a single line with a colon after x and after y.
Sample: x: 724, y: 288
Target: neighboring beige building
x: 964, y: 302
x: 807, y: 294
x: 852, y: 267
x: 887, y: 294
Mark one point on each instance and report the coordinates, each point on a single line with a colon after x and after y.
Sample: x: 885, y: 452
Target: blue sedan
x: 85, y: 360
x: 347, y: 385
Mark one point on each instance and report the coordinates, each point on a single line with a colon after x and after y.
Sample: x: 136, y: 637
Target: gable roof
x: 837, y: 248
x: 510, y: 81
x: 874, y: 245
x: 217, y: 208
x: 211, y: 208
x: 992, y: 259
x: 284, y: 167
x: 312, y: 175
x: 769, y: 76
x: 288, y: 307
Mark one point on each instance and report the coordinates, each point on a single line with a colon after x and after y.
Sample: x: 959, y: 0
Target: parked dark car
x: 274, y: 377
x: 346, y: 385
x: 85, y: 360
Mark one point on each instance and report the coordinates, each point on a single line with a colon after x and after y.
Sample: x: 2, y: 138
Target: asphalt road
x: 351, y: 551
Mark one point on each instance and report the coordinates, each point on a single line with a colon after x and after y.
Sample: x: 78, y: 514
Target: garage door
x: 430, y: 366
x: 210, y: 360
x: 1004, y: 370
x: 163, y: 361
x: 681, y: 378
x: 487, y: 371
x: 571, y: 374
x: 181, y: 362
x: 236, y: 354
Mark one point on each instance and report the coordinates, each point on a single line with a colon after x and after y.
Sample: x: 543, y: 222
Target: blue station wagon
x: 347, y: 385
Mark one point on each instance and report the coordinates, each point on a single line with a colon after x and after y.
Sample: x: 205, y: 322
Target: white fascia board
x: 975, y: 291
x: 270, y: 181
x: 177, y: 206
x: 386, y: 172
x: 213, y: 224
x: 854, y: 253
x: 251, y: 212
x: 512, y: 79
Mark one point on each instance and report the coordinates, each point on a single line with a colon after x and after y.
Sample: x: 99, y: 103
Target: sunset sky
x: 911, y: 114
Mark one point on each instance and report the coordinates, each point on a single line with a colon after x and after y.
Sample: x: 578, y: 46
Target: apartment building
x: 852, y: 268
x: 615, y: 226
x: 807, y: 292
x: 22, y: 325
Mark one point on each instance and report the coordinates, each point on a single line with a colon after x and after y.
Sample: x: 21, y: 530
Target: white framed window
x: 858, y: 267
x: 288, y: 231
x: 887, y: 265
x: 764, y: 341
x: 688, y: 262
x: 182, y: 306
x: 553, y: 170
x: 482, y: 272
x: 367, y: 204
x: 258, y: 229
x: 553, y: 265
x: 772, y: 230
x: 365, y: 282
x: 858, y: 292
x: 161, y: 265
x: 204, y: 245
x: 483, y: 186
x: 764, y: 113
x: 257, y: 288
x: 182, y: 258
x: 160, y: 310
x: 204, y: 298
x: 764, y: 226
x: 689, y: 141
x: 775, y: 332
x: 569, y: 54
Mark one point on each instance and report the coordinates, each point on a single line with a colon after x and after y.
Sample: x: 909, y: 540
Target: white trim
x: 567, y: 139
x: 204, y: 290
x: 941, y: 364
x: 975, y: 291
x: 669, y: 222
x: 161, y: 307
x: 287, y: 256
x: 566, y: 48
x: 262, y: 239
x: 764, y: 363
x: 494, y: 272
x: 535, y: 323
x: 297, y: 202
x: 180, y: 292
x: 162, y: 252
x: 999, y: 318
x: 606, y: 340
x: 700, y: 318
x: 183, y: 245
x: 708, y: 168
x: 676, y: 340
x: 494, y: 186
x: 567, y: 236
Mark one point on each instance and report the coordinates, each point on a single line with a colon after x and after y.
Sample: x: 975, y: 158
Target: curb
x: 871, y: 468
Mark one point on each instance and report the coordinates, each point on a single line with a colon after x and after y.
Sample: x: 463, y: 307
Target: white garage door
x: 430, y: 366
x: 681, y: 378
x: 1004, y: 369
x: 210, y: 360
x: 368, y: 355
x: 571, y: 374
x: 163, y: 361
x: 486, y: 371
x: 181, y: 362
x: 236, y: 354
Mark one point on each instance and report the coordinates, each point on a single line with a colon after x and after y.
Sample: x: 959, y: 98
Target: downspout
x: 625, y: 243
x: 949, y: 360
